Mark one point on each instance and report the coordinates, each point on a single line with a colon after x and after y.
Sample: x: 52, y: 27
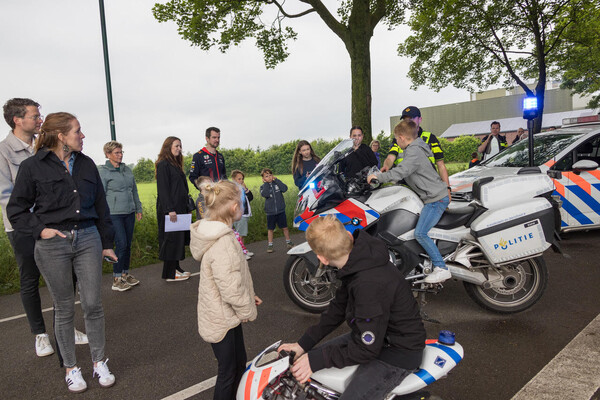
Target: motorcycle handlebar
x: 291, y: 354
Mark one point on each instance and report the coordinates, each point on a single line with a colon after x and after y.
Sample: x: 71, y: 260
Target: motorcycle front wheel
x: 520, y: 286
x: 307, y: 291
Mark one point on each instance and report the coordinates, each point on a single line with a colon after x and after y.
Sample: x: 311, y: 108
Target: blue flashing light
x: 312, y: 185
x: 530, y: 107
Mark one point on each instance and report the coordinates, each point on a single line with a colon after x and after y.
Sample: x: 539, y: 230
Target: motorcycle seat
x: 455, y: 217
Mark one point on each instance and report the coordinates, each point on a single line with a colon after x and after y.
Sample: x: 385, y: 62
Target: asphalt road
x: 155, y: 350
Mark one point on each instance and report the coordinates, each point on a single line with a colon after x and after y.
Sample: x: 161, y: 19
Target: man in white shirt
x: 493, y: 143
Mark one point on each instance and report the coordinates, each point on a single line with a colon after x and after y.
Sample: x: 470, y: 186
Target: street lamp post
x: 111, y: 114
x: 530, y: 112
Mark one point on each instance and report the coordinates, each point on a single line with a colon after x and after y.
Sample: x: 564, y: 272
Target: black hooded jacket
x: 378, y: 305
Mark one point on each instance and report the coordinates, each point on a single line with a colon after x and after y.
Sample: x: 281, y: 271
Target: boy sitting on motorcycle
x: 387, y: 336
x: 417, y: 171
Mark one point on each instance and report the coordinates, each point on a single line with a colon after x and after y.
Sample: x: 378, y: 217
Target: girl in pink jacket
x: 225, y: 295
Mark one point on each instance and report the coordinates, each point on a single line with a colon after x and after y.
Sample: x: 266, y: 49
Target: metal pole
x: 530, y: 137
x: 111, y: 113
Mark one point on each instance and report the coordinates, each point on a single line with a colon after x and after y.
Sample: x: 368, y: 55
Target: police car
x: 570, y: 156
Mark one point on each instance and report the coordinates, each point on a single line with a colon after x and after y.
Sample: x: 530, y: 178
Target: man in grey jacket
x: 423, y: 179
x: 23, y: 116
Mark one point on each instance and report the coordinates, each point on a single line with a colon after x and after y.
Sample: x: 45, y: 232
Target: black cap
x: 411, y: 111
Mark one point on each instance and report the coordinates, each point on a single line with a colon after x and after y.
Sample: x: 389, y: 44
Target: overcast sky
x: 162, y: 86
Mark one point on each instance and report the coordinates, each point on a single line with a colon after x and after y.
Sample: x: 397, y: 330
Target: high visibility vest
x: 425, y: 136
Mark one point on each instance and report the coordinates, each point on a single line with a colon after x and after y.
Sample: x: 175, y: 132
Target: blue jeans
x: 430, y: 215
x: 123, y: 225
x: 57, y: 258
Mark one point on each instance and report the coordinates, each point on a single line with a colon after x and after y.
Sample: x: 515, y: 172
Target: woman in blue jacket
x: 125, y: 206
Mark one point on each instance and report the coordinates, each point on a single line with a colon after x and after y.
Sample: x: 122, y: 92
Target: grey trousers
x: 58, y: 258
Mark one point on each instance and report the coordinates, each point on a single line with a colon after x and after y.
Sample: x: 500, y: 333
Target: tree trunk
x: 360, y: 66
x: 357, y: 42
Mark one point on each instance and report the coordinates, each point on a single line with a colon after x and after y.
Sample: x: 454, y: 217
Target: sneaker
x: 248, y: 257
x: 290, y: 244
x: 270, y: 248
x: 130, y: 279
x: 249, y: 253
x: 43, y: 347
x: 183, y: 273
x: 105, y: 378
x: 80, y: 337
x: 178, y: 277
x: 120, y: 285
x: 438, y: 275
x: 75, y: 382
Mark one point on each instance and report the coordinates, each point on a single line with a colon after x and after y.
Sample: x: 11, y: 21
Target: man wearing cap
x: 493, y: 143
x: 412, y: 113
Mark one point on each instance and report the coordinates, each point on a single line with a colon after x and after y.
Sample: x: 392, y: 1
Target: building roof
x: 512, y: 124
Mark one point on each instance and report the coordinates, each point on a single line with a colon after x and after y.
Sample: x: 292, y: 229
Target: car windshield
x: 545, y: 147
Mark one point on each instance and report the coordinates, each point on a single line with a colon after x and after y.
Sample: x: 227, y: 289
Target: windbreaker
x: 377, y: 303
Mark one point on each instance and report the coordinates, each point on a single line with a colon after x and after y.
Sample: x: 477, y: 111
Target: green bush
x: 460, y: 149
x: 144, y: 170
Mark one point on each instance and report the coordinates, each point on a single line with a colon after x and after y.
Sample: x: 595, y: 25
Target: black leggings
x: 231, y: 356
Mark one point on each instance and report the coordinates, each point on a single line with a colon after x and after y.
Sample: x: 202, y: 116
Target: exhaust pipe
x: 461, y: 273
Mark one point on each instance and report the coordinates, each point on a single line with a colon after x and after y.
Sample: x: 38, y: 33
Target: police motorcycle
x: 269, y: 377
x: 494, y: 245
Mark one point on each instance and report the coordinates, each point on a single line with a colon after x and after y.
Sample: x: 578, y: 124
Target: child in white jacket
x: 225, y: 295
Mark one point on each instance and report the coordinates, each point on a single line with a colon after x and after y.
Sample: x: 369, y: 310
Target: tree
x: 471, y: 44
x: 144, y: 170
x: 578, y: 56
x: 222, y: 23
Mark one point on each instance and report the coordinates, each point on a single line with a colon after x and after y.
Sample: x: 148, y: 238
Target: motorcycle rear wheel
x: 308, y: 292
x: 526, y: 281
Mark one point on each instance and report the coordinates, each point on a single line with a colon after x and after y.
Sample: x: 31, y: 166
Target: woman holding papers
x: 172, y: 199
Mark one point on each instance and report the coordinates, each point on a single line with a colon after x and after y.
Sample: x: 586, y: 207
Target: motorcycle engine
x: 286, y: 387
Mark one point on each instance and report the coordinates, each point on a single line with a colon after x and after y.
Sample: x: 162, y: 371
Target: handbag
x: 191, y: 204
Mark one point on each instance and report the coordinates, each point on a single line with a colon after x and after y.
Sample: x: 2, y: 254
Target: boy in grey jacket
x: 423, y: 179
x: 272, y: 190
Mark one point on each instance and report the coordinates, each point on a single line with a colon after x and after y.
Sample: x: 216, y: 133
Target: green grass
x: 144, y: 248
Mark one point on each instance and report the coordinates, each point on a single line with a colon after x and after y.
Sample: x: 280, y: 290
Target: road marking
x: 196, y: 389
x: 574, y: 373
x: 193, y: 390
x: 24, y: 315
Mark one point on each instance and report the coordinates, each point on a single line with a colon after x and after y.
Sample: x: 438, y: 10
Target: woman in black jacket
x: 70, y: 222
x: 172, y: 199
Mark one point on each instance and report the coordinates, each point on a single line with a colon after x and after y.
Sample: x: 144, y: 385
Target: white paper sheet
x: 183, y: 223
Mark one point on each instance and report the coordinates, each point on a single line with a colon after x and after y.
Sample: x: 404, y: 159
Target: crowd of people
x: 64, y: 216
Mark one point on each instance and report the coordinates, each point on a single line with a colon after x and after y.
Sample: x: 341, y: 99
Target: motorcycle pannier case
x: 518, y: 231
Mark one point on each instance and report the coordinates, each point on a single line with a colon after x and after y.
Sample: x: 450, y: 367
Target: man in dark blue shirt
x: 208, y: 161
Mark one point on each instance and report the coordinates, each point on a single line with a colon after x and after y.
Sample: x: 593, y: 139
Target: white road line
x: 573, y: 374
x: 25, y: 315
x: 193, y: 390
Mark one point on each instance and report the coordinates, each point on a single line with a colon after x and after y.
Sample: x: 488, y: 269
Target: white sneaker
x: 75, y: 382
x: 438, y: 275
x: 184, y: 273
x: 80, y: 337
x: 105, y: 378
x: 248, y: 256
x: 178, y: 278
x: 43, y: 347
x: 249, y: 253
